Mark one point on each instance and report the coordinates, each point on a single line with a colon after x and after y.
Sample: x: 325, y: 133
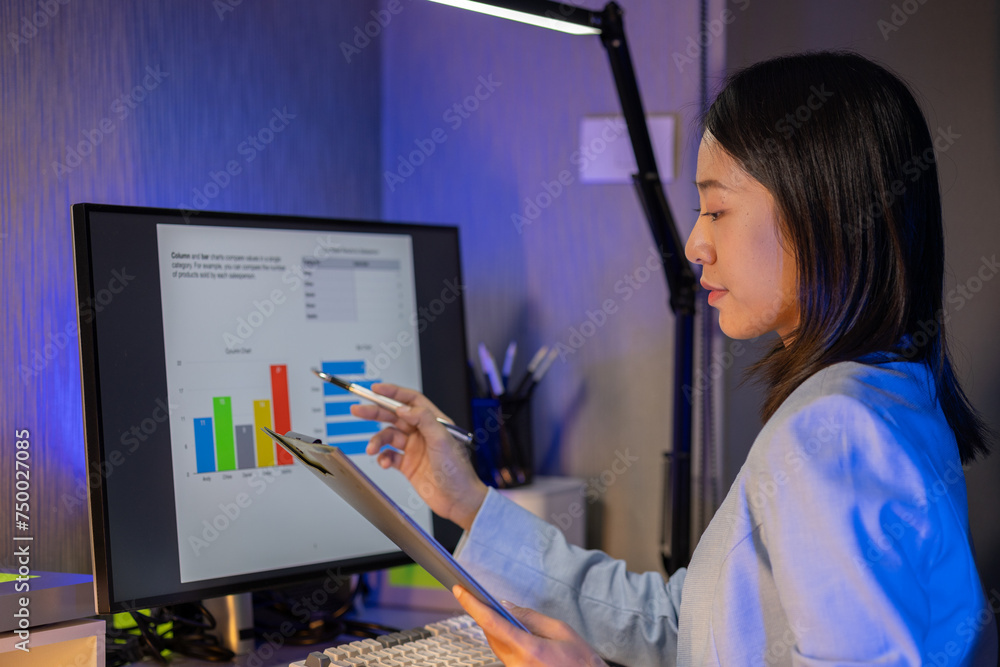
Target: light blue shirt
x: 844, y: 540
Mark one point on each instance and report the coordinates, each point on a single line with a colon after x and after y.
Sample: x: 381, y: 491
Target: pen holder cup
x: 501, y: 449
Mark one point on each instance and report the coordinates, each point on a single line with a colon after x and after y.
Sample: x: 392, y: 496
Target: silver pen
x: 389, y: 404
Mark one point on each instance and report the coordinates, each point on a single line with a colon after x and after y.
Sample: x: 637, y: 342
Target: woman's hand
x: 551, y: 643
x: 435, y: 463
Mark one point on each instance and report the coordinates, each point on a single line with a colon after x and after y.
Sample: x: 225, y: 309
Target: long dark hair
x: 842, y: 146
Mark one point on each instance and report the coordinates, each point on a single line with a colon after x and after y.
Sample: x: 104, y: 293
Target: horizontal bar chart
x: 343, y: 367
x: 343, y: 430
x: 339, y: 409
x: 353, y: 427
x: 353, y: 447
x: 334, y: 390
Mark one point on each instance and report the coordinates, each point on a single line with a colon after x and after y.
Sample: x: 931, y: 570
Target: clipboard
x: 339, y: 472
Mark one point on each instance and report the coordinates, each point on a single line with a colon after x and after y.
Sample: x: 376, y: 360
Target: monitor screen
x: 198, y: 330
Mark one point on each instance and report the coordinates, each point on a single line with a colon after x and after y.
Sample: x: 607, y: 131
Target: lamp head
x: 542, y: 13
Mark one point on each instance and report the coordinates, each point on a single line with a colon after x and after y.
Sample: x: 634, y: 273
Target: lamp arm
x: 676, y: 536
x: 681, y: 283
x: 680, y: 278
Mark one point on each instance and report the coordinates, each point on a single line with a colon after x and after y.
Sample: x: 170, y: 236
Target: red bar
x: 282, y: 413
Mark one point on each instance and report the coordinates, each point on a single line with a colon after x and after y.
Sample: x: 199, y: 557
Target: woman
x: 845, y: 536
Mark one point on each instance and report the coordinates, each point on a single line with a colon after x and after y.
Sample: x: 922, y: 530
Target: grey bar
x: 244, y: 447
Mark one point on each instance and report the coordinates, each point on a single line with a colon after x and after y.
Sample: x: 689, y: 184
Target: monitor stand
x: 234, y: 621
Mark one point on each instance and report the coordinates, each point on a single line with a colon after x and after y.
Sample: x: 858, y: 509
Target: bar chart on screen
x: 228, y: 436
x: 221, y: 444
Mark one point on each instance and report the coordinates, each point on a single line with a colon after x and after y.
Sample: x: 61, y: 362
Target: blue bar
x: 344, y: 367
x: 204, y: 445
x: 353, y: 427
x: 334, y: 390
x: 352, y: 447
x: 340, y: 408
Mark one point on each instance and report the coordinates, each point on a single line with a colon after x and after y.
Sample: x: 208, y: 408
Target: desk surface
x: 266, y: 655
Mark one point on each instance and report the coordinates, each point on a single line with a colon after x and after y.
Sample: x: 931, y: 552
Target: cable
x: 163, y: 631
x: 306, y: 614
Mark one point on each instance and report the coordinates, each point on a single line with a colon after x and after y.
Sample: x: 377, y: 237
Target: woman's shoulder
x: 881, y: 418
x: 856, y: 393
x: 877, y: 385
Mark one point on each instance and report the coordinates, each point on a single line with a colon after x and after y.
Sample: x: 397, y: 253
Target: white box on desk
x: 76, y: 643
x: 558, y: 500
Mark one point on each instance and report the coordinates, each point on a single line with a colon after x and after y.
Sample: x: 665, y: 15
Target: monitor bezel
x: 100, y: 536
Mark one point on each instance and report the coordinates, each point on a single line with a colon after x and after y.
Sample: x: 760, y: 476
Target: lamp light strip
x: 523, y: 17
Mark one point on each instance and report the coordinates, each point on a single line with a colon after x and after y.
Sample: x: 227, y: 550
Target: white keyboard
x: 453, y: 642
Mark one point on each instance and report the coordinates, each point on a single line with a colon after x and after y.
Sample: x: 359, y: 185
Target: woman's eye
x: 711, y: 214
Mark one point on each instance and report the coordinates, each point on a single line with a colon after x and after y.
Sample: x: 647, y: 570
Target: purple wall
x: 158, y: 96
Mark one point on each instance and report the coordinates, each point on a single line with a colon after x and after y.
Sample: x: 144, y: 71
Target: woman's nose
x: 699, y: 249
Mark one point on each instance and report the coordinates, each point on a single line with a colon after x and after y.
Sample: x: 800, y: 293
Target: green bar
x: 225, y: 448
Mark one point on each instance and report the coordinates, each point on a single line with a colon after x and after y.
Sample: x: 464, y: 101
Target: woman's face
x: 752, y: 277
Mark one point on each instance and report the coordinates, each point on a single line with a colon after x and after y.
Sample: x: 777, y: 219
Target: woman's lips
x: 715, y: 292
x: 715, y: 295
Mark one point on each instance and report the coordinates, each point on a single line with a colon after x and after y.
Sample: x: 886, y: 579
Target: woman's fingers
x: 501, y: 635
x: 389, y: 436
x: 422, y: 418
x: 550, y: 642
x: 539, y: 624
x: 373, y: 412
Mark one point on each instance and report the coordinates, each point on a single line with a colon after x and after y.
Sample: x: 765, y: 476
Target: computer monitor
x: 197, y: 329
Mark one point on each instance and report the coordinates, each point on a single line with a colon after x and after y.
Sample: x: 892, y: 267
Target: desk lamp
x: 676, y: 531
